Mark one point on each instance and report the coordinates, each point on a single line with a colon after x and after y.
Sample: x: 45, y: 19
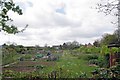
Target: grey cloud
x: 84, y: 32
x: 55, y: 19
x: 47, y: 26
x: 64, y: 21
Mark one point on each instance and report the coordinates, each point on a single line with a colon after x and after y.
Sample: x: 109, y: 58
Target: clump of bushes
x: 92, y: 56
x: 94, y: 61
x: 13, y: 75
x: 40, y: 67
x: 88, y: 56
x: 106, y: 73
x: 83, y: 75
x: 26, y: 57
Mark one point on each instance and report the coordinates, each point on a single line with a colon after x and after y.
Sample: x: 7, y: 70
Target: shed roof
x: 117, y: 44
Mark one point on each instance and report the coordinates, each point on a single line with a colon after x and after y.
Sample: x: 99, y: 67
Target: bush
x: 40, y: 67
x: 89, y: 50
x: 27, y: 57
x: 93, y: 61
x: 106, y: 73
x: 93, y: 56
x: 83, y: 75
x: 88, y: 56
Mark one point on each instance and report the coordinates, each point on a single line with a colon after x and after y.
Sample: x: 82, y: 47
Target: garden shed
x: 114, y: 57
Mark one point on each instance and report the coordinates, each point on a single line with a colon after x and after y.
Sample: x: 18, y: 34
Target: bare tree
x: 111, y: 7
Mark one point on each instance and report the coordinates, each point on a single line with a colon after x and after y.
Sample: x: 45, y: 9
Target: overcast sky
x: 54, y: 22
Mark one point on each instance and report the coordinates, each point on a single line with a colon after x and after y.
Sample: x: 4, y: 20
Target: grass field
x: 71, y: 66
x: 68, y: 66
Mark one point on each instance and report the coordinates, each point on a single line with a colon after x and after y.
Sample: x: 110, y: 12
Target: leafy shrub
x: 106, y: 73
x: 93, y: 61
x: 83, y: 75
x: 92, y: 56
x: 40, y: 67
x: 103, y: 61
x: 89, y: 50
x: 27, y: 57
x: 13, y: 75
x: 88, y: 56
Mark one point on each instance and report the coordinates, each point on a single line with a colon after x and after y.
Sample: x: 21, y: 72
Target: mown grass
x: 70, y: 66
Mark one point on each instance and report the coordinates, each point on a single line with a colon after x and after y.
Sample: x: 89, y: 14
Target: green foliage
x: 72, y: 67
x: 68, y: 66
x: 118, y: 49
x: 105, y: 50
x: 108, y: 38
x: 94, y: 61
x: 89, y: 50
x: 39, y: 67
x: 27, y: 56
x: 97, y: 55
x: 21, y: 75
x: 83, y: 75
x: 9, y: 55
x: 102, y: 50
x: 106, y: 73
x: 88, y: 56
x: 5, y: 7
x: 102, y: 62
x: 114, y: 50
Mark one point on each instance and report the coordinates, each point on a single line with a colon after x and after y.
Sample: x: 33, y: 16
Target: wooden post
x: 112, y: 59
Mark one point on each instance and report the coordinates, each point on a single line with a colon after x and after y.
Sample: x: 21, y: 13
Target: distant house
x: 88, y: 45
x: 56, y: 47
